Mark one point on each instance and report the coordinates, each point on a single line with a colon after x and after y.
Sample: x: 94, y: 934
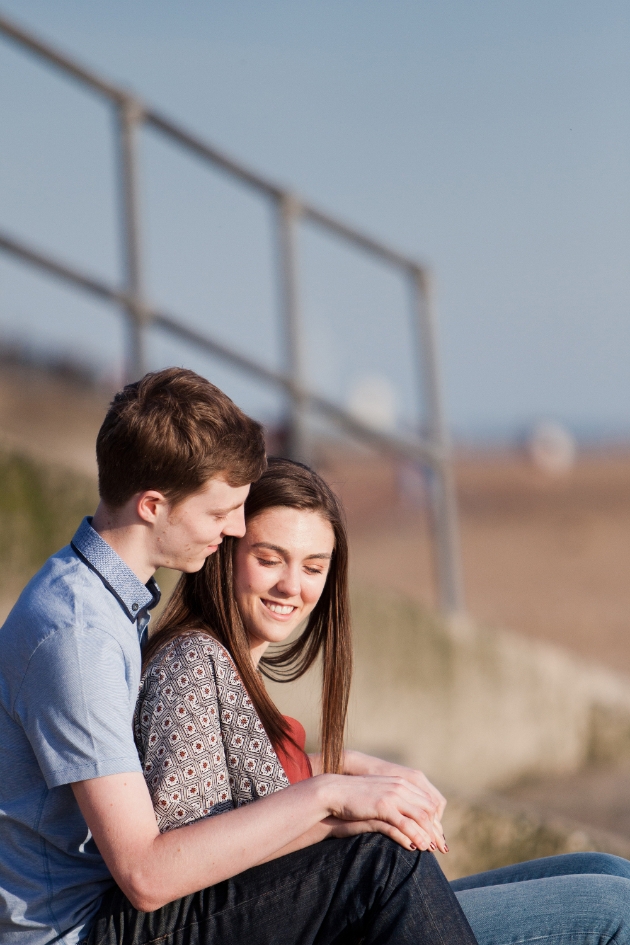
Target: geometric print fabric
x: 202, y: 746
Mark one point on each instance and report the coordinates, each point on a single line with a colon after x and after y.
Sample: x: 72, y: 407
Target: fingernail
x: 432, y: 846
x: 444, y: 835
x: 446, y: 848
x: 412, y: 846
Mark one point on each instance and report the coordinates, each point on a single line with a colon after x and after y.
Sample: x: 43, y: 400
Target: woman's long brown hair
x: 205, y: 600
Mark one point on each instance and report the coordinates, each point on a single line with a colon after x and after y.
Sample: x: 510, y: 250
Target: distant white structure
x: 552, y: 448
x: 372, y: 400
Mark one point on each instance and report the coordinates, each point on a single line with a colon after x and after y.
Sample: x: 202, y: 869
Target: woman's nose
x: 289, y: 583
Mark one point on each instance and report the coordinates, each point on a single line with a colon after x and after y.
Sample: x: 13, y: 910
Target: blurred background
x: 490, y: 143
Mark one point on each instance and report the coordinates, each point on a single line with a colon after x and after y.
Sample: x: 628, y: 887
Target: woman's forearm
x: 356, y: 762
x: 353, y: 762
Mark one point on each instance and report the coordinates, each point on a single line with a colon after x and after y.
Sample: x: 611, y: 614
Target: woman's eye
x: 267, y: 562
x: 314, y: 570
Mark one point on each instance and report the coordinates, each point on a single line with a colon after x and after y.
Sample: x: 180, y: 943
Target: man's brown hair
x: 172, y: 431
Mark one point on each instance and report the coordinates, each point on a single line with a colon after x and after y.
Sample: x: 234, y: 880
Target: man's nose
x: 235, y: 523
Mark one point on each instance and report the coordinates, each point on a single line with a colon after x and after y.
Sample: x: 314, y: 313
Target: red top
x: 295, y: 761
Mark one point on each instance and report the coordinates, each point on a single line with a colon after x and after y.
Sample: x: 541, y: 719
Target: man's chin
x: 191, y: 567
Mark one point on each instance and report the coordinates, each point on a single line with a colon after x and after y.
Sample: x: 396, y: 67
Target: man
x: 175, y: 459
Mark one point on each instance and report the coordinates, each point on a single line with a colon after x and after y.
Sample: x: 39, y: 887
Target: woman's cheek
x: 252, y: 577
x: 314, y: 592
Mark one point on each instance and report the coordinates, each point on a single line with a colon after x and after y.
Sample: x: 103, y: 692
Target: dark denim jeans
x: 364, y: 889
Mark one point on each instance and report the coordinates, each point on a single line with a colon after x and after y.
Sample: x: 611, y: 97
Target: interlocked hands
x: 391, y: 799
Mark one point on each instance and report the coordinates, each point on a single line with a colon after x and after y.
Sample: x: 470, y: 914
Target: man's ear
x: 149, y: 505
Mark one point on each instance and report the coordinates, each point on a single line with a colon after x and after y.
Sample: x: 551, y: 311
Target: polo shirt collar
x: 135, y: 597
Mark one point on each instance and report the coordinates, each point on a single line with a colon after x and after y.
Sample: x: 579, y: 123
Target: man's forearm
x: 153, y: 869
x: 222, y: 846
x: 320, y: 831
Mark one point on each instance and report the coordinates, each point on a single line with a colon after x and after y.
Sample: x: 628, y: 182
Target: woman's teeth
x: 284, y: 609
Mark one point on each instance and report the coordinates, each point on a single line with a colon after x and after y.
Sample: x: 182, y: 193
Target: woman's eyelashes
x: 273, y: 562
x: 268, y: 562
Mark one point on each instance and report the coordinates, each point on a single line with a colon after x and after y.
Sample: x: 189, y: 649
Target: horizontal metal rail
x: 203, y: 149
x: 62, y: 60
x: 415, y: 450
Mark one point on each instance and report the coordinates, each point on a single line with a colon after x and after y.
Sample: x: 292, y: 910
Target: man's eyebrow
x: 283, y: 551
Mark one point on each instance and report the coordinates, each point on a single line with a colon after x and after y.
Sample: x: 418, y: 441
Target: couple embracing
x: 150, y: 788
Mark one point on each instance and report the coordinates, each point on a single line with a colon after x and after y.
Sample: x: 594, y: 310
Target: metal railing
x: 430, y: 450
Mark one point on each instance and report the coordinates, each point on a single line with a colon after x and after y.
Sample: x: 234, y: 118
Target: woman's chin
x: 275, y: 632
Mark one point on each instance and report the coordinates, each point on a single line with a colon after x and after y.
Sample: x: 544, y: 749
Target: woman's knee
x: 552, y: 909
x: 599, y: 863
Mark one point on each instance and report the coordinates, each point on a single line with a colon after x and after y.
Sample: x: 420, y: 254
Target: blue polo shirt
x: 69, y: 674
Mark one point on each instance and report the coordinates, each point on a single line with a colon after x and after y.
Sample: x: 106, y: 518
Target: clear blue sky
x: 491, y: 139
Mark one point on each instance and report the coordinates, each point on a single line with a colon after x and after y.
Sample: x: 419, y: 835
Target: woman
x: 212, y: 740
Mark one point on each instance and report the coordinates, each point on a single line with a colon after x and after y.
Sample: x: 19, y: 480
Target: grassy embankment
x: 40, y: 508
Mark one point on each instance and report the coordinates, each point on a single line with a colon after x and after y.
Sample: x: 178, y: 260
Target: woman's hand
x: 391, y: 805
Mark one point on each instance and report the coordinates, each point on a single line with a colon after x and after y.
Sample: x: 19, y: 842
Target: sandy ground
x: 598, y: 796
x: 51, y: 418
x: 549, y: 557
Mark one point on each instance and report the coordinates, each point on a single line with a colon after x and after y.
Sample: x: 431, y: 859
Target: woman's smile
x: 277, y: 609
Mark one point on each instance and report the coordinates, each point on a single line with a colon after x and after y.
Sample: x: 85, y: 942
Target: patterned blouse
x: 202, y: 746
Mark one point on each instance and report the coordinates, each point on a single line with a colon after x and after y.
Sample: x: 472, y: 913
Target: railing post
x: 288, y: 212
x: 129, y: 116
x: 446, y: 542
